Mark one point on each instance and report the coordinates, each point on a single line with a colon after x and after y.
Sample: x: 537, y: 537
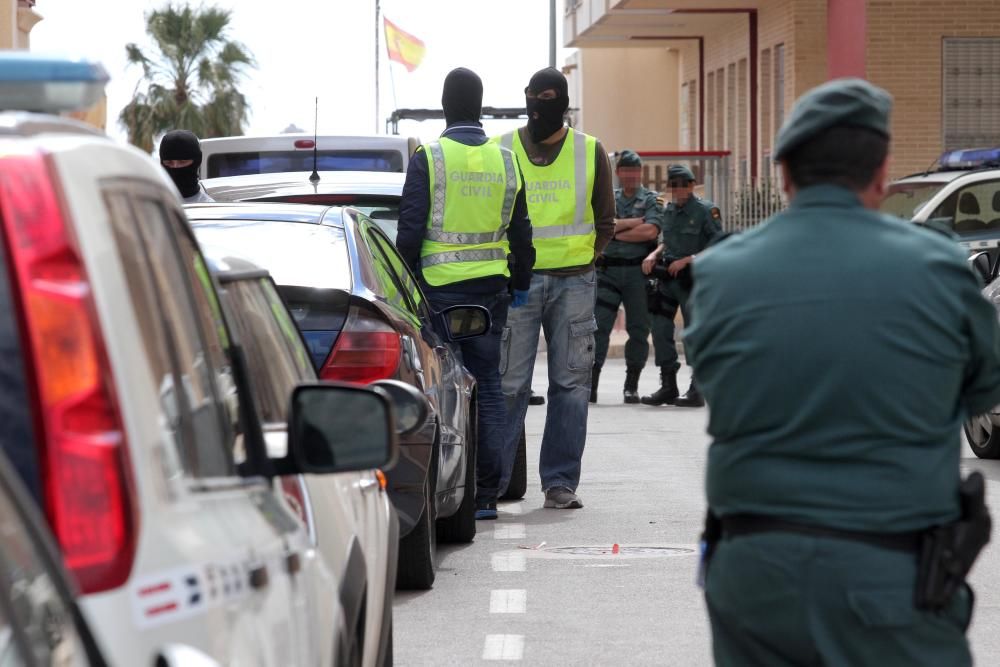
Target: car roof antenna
x: 314, y: 177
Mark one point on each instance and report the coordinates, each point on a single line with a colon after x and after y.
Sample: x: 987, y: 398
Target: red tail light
x: 88, y: 495
x: 366, y: 350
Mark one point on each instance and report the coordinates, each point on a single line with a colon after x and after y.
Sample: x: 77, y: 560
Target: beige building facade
x: 17, y: 18
x: 730, y: 71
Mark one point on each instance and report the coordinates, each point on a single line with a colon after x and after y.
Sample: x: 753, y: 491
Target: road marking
x: 512, y: 508
x: 508, y: 601
x: 509, y: 531
x: 509, y: 561
x: 503, y: 647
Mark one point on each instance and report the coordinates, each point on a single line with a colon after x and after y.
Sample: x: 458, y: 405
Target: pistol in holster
x: 947, y: 552
x: 660, y: 271
x: 710, y: 537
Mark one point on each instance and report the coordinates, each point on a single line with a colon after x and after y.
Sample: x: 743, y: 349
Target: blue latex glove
x: 520, y: 298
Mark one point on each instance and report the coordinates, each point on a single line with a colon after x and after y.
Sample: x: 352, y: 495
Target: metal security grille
x: 971, y: 92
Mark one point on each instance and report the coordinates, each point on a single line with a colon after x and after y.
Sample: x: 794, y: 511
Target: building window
x: 971, y: 92
x: 743, y: 121
x: 710, y: 111
x: 779, y: 86
x: 732, y: 101
x: 685, y: 117
x: 693, y: 106
x: 765, y: 111
x: 720, y: 102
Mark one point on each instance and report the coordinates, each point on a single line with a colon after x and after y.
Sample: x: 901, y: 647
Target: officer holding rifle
x: 690, y: 224
x: 840, y: 350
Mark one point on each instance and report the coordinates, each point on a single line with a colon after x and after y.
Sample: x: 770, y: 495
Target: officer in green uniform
x: 690, y: 225
x: 620, y: 280
x: 840, y: 350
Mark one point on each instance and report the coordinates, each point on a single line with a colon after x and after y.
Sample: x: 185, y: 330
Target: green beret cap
x: 680, y: 172
x: 838, y: 103
x: 628, y: 158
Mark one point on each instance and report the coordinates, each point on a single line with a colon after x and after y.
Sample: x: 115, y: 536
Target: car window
x: 35, y: 618
x: 391, y: 284
x: 905, y: 199
x: 276, y: 357
x: 399, y: 268
x: 272, y: 162
x: 174, y: 296
x: 972, y: 209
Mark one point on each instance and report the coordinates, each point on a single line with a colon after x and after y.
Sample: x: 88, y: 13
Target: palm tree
x: 192, y: 81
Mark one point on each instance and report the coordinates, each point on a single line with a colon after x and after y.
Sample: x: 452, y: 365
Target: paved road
x: 642, y: 487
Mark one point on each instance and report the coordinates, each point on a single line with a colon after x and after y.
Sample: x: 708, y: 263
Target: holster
x: 947, y: 552
x: 660, y: 272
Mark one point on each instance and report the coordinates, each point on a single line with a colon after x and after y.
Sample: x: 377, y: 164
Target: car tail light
x: 295, y: 494
x: 366, y: 350
x: 88, y: 495
x: 305, y: 143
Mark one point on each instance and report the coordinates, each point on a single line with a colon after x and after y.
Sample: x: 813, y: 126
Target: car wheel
x: 461, y: 526
x: 416, y: 551
x: 984, y: 435
x: 518, y: 484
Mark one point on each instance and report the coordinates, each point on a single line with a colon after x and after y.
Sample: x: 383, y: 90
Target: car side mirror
x: 409, y: 405
x: 982, y: 265
x: 463, y: 322
x: 339, y: 428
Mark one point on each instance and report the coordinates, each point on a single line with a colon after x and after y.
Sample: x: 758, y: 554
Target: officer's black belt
x: 619, y: 261
x: 749, y: 524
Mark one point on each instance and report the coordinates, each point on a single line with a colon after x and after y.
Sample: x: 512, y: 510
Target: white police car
x: 124, y: 402
x: 960, y: 194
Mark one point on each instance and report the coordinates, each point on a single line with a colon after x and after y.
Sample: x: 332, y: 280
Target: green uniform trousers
x: 780, y: 599
x: 617, y: 285
x: 663, y: 309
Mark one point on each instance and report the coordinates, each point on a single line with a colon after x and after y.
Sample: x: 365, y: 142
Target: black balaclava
x: 545, y: 117
x: 462, y: 96
x: 182, y: 145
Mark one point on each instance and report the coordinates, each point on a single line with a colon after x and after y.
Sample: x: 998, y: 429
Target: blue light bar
x: 49, y: 84
x: 969, y: 159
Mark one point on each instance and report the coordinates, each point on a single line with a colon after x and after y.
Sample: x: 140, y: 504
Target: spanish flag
x: 403, y: 47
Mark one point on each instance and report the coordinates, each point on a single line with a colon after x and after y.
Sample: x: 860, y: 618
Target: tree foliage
x: 191, y: 79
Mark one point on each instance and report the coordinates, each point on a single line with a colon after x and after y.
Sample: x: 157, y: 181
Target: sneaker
x: 486, y: 512
x: 561, y: 498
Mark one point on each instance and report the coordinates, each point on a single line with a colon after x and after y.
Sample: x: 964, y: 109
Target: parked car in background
x: 364, y: 319
x: 350, y: 520
x: 239, y: 156
x: 125, y: 403
x: 983, y: 431
x: 374, y: 194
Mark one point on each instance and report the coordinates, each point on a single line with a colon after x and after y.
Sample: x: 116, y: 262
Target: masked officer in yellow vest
x: 567, y: 178
x: 461, y: 214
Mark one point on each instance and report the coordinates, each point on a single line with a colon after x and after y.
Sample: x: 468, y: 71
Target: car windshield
x: 905, y: 199
x: 273, y: 162
x: 295, y: 253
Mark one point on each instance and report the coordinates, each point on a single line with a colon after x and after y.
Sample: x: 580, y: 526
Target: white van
x: 240, y: 156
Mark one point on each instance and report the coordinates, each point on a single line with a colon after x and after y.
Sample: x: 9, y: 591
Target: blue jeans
x: 563, y: 308
x: 481, y: 356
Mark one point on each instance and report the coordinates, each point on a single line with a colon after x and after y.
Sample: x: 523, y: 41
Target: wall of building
x: 17, y: 18
x: 904, y: 56
x: 628, y: 96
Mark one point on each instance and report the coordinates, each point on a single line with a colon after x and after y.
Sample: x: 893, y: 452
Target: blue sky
x: 306, y: 48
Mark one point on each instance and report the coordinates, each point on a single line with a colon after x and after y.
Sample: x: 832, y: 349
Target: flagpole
x: 376, y: 67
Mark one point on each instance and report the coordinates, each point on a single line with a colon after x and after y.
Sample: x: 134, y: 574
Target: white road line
x: 509, y: 561
x: 509, y: 531
x: 512, y: 508
x: 508, y: 601
x: 503, y: 647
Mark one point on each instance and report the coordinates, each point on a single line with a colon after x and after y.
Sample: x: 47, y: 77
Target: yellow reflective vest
x: 559, y: 200
x: 473, y: 189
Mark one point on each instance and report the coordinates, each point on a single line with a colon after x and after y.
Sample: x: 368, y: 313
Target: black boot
x: 668, y: 391
x: 692, y: 399
x: 595, y: 375
x: 632, y: 385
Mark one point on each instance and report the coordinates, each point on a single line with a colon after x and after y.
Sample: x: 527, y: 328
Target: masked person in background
x: 567, y: 178
x: 180, y: 155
